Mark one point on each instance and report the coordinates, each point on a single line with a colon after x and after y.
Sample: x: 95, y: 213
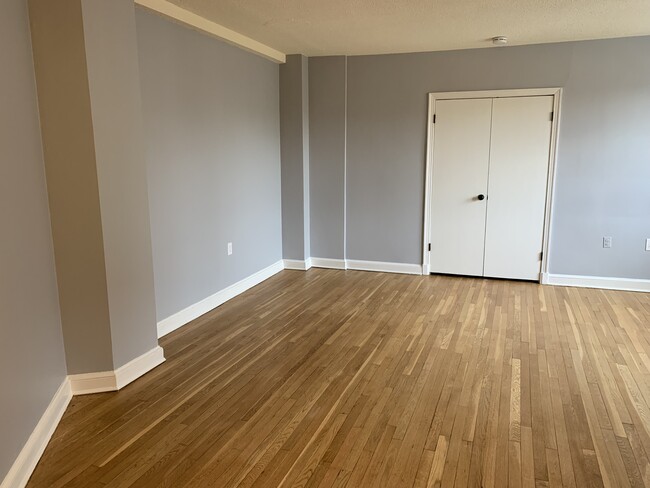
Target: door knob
x: 481, y: 197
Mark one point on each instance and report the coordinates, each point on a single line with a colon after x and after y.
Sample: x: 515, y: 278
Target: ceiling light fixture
x: 500, y: 40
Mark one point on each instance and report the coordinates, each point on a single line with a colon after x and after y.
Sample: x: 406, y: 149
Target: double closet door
x: 489, y: 186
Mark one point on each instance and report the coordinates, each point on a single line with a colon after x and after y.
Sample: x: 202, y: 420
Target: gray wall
x: 32, y: 363
x: 603, y: 176
x: 59, y: 51
x: 327, y: 121
x: 387, y: 110
x: 114, y: 82
x: 294, y: 143
x: 86, y: 70
x: 603, y: 155
x: 211, y: 118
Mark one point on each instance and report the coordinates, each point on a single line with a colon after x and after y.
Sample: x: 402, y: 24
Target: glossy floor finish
x: 335, y: 378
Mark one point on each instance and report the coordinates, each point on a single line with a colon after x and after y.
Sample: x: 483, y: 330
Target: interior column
x: 89, y: 101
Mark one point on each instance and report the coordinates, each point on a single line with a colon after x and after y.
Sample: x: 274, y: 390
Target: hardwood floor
x: 329, y: 378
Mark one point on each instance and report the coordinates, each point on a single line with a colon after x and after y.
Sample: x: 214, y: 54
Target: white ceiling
x: 326, y: 27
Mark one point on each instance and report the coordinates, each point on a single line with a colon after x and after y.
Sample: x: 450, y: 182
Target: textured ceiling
x: 325, y: 27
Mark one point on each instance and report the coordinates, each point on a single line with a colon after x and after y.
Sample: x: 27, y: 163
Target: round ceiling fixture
x: 500, y: 40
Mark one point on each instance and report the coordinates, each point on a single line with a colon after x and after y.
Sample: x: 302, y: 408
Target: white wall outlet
x: 607, y: 242
x: 647, y: 244
x: 229, y: 248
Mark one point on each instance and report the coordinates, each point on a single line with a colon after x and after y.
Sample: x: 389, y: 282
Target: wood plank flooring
x: 333, y: 378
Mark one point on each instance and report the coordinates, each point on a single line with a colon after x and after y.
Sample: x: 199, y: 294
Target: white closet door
x: 460, y: 173
x: 519, y: 154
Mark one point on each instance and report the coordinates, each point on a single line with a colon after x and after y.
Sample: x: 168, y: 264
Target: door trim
x: 556, y: 93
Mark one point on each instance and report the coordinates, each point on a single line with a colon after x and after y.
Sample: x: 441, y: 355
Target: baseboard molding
x: 404, y: 268
x: 194, y: 311
x: 75, y: 384
x: 31, y: 453
x: 139, y: 366
x: 328, y: 263
x: 88, y: 383
x: 378, y: 266
x: 623, y: 284
x: 301, y: 265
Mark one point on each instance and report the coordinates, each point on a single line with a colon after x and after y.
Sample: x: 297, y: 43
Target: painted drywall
x: 387, y: 110
x: 114, y: 83
x: 86, y: 70
x: 69, y: 151
x: 603, y: 154
x: 212, y: 133
x: 294, y: 144
x: 32, y: 361
x: 603, y: 174
x: 327, y: 110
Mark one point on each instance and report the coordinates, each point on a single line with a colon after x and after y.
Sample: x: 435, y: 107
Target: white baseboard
x: 190, y: 313
x: 105, y: 381
x: 139, y: 366
x: 85, y: 384
x: 31, y: 453
x: 415, y: 269
x: 623, y: 284
x: 75, y: 384
x: 328, y: 263
x: 302, y: 265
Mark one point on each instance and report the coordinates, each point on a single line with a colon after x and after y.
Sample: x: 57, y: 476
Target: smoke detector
x: 500, y: 40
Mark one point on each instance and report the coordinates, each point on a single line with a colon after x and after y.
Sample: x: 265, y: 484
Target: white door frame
x: 550, y: 186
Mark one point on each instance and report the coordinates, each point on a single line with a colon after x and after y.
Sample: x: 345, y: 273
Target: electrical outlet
x: 607, y: 242
x: 647, y: 244
x: 229, y: 248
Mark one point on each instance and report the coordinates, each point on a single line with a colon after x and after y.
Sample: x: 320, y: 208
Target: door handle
x: 481, y: 197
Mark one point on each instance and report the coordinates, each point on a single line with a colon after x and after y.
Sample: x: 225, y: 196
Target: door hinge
x: 429, y: 247
x: 434, y: 118
x: 541, y: 255
x: 552, y: 116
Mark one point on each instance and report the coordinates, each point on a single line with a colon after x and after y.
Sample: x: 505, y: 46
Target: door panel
x: 461, y: 149
x: 518, y: 175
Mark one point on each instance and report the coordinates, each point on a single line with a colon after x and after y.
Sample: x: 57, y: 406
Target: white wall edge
x: 623, y: 284
x: 382, y: 267
x: 88, y: 383
x: 190, y: 19
x: 328, y: 263
x: 139, y: 366
x: 31, y: 453
x: 194, y: 311
x: 302, y: 265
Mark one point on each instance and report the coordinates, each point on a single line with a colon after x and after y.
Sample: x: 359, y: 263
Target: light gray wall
x: 603, y: 153
x: 114, y: 83
x: 65, y: 109
x: 89, y: 102
x: 327, y: 109
x: 32, y: 362
x: 211, y: 118
x: 294, y: 142
x: 603, y: 174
